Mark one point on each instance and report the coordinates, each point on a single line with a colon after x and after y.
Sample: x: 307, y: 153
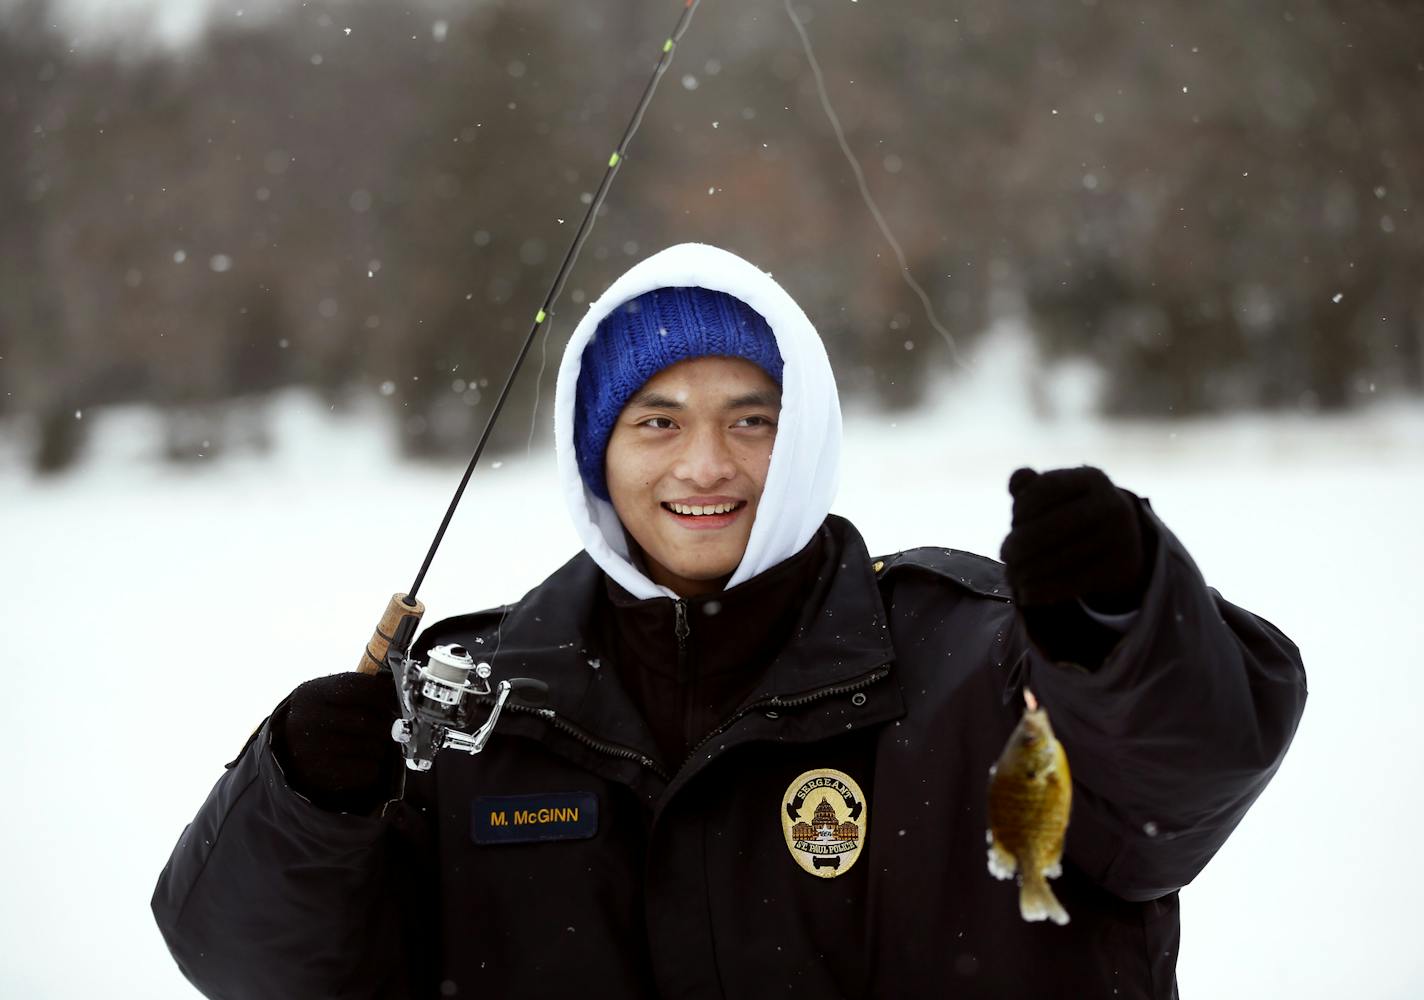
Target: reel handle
x: 396, y: 628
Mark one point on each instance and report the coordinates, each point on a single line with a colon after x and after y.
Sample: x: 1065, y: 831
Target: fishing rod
x: 432, y: 695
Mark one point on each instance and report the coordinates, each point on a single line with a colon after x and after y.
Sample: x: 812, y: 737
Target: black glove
x: 1075, y: 537
x: 333, y: 740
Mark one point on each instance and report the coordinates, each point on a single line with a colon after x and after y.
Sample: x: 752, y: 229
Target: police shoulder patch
x: 522, y: 819
x: 824, y: 818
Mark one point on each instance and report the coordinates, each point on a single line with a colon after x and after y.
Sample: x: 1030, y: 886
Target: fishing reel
x: 436, y: 705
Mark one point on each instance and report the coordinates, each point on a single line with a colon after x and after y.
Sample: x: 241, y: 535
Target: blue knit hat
x: 642, y: 337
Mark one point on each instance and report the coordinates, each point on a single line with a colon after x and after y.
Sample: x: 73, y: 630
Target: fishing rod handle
x: 396, y: 627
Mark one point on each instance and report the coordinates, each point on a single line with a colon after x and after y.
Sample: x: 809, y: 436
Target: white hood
x: 804, y: 474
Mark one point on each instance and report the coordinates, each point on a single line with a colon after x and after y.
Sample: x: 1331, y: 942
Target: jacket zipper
x: 588, y: 740
x: 777, y: 701
x: 628, y: 753
x: 681, y: 629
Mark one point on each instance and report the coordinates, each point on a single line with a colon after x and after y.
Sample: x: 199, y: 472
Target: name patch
x: 522, y: 819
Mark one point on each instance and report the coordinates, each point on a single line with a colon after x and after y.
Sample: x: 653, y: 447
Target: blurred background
x: 1215, y: 204
x: 264, y: 265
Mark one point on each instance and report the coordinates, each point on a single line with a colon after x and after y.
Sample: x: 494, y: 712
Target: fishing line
x: 538, y: 385
x: 865, y: 190
x: 546, y: 310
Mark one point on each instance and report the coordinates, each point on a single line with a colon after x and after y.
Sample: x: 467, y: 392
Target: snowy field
x: 154, y: 615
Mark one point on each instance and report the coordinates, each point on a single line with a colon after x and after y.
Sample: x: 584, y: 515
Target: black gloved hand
x: 1075, y: 536
x: 333, y: 740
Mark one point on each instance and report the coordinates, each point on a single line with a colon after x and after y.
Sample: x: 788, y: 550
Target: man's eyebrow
x: 758, y: 398
x: 657, y: 401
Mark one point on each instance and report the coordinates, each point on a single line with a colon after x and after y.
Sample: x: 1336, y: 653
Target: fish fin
x: 1037, y: 902
x: 1002, y: 864
x: 1053, y: 863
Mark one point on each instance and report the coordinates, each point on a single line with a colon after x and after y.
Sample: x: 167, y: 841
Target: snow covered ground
x: 153, y: 615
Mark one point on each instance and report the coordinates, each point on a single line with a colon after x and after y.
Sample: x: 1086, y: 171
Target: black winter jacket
x: 904, y: 673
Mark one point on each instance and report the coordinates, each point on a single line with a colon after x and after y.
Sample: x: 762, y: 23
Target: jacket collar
x: 842, y: 637
x: 842, y: 630
x: 732, y: 631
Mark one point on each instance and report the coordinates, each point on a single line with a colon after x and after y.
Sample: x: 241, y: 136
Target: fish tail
x: 1037, y: 902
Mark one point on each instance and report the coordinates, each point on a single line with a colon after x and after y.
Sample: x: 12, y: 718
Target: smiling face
x: 686, y: 464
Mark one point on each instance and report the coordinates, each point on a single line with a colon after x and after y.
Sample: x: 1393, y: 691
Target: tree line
x: 1214, y: 202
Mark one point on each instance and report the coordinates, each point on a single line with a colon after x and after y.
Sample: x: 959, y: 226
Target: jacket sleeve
x: 268, y: 896
x: 1174, y: 736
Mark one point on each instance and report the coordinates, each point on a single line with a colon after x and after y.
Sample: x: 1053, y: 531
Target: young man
x: 762, y: 769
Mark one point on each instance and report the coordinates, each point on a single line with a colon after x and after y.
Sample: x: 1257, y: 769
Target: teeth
x: 699, y: 509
